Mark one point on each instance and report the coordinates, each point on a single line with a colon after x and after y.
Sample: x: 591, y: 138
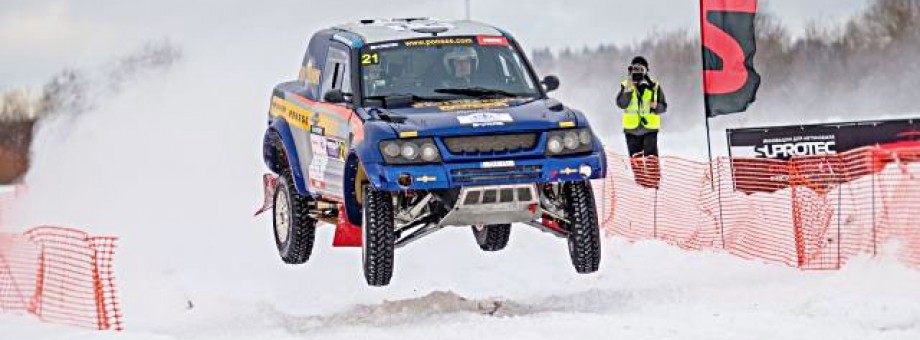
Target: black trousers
x: 646, y: 144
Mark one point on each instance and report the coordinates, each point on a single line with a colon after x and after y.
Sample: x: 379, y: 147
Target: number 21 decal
x: 370, y: 59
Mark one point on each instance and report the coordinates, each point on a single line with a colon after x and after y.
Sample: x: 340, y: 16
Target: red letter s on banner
x: 733, y: 75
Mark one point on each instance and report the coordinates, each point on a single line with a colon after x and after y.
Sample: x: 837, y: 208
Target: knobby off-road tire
x: 379, y: 237
x: 584, y: 233
x: 492, y: 237
x: 294, y: 229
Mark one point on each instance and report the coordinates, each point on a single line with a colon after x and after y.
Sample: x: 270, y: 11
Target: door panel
x: 330, y: 128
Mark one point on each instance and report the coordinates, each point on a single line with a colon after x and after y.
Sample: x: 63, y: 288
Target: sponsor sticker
x: 309, y: 73
x: 488, y: 124
x: 463, y: 105
x: 492, y: 41
x: 335, y: 149
x: 485, y: 118
x: 498, y: 164
x: 384, y: 46
x: 437, y: 42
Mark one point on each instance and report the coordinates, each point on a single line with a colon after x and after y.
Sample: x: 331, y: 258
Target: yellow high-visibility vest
x: 637, y: 109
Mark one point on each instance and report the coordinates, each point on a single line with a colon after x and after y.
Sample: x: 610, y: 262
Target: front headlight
x: 410, y: 151
x: 390, y: 148
x: 569, y: 142
x: 430, y: 152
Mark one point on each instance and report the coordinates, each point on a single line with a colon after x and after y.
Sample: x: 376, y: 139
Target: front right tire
x: 493, y: 237
x: 378, y: 235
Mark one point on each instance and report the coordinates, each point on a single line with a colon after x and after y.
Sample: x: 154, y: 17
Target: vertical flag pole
x: 712, y: 170
x: 709, y: 146
x: 712, y: 173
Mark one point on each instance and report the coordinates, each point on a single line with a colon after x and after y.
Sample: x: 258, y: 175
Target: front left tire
x: 378, y: 235
x: 584, y: 233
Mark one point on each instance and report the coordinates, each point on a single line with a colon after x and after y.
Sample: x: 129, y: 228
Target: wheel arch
x: 355, y: 175
x: 285, y: 159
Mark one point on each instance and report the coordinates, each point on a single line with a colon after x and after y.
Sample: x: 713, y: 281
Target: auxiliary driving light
x: 585, y: 170
x: 404, y: 180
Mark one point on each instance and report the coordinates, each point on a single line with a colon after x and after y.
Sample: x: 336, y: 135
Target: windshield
x: 438, y: 69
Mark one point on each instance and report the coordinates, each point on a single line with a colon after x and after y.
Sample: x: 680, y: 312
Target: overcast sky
x: 39, y: 37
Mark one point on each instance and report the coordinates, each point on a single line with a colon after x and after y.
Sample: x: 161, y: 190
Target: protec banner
x: 785, y: 142
x: 773, y: 158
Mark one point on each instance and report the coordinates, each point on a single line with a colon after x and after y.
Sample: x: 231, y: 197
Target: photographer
x: 643, y: 102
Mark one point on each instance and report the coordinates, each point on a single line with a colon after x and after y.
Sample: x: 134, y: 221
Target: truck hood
x: 483, y: 117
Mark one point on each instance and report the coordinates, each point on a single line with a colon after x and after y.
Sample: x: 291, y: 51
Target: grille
x: 484, y: 176
x: 491, y: 145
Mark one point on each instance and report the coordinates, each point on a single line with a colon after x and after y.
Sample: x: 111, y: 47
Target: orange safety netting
x: 60, y: 275
x: 812, y: 212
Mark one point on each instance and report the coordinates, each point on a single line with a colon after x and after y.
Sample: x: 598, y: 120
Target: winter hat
x: 640, y: 60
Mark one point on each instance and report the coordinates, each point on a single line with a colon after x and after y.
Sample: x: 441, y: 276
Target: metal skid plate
x: 494, y: 205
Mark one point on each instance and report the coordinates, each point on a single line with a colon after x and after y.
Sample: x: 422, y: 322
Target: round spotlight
x: 404, y: 180
x: 429, y: 152
x: 554, y: 145
x: 410, y: 151
x: 571, y: 140
x: 391, y: 149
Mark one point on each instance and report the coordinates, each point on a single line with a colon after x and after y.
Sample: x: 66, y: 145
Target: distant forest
x: 864, y: 68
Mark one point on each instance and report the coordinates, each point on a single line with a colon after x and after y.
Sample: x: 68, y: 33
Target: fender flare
x: 283, y: 130
x: 350, y: 191
x: 370, y: 159
x: 372, y: 172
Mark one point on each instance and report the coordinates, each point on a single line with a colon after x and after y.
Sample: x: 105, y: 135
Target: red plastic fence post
x: 103, y: 320
x: 874, y: 160
x: 35, y: 305
x: 797, y: 231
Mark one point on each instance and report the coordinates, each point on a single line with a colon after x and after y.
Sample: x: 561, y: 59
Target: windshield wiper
x: 477, y: 92
x: 388, y: 116
x: 414, y: 98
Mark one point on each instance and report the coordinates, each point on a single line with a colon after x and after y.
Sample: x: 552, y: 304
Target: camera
x: 637, y: 73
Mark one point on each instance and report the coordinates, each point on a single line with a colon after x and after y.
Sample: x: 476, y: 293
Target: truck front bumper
x: 499, y: 172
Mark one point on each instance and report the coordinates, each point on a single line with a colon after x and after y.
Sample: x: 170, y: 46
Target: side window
x: 518, y: 72
x: 336, y: 74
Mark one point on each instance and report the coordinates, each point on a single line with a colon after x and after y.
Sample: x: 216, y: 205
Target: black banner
x: 785, y: 142
x: 730, y: 82
x: 762, y: 158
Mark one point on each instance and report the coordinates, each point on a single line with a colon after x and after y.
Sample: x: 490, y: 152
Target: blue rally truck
x: 398, y: 128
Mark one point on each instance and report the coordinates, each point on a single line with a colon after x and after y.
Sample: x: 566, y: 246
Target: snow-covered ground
x: 172, y: 164
x: 446, y: 289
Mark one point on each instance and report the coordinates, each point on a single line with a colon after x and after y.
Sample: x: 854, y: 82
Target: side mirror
x: 550, y: 83
x: 336, y: 96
